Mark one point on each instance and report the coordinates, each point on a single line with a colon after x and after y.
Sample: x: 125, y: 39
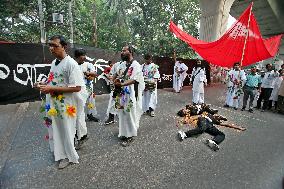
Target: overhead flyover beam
x: 214, y: 18
x: 277, y: 7
x: 269, y: 15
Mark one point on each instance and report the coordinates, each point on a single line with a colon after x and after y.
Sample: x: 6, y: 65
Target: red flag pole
x: 244, y: 48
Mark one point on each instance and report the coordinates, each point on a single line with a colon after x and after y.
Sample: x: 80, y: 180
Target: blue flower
x: 47, y: 107
x: 126, y: 90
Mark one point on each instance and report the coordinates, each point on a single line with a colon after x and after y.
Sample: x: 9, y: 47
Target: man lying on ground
x: 204, y: 122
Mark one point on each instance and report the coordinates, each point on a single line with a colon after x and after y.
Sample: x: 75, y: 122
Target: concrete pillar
x: 214, y: 18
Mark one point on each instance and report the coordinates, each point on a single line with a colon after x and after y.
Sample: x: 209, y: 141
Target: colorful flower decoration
x: 60, y: 97
x: 47, y: 122
x: 88, y: 82
x: 90, y: 106
x: 129, y: 106
x: 71, y: 110
x: 126, y: 90
x: 107, y: 70
x: 130, y: 71
x: 52, y: 112
x: 50, y: 77
x: 46, y: 137
x: 47, y: 107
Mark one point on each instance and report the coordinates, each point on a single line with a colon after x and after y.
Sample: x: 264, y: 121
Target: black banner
x: 21, y: 65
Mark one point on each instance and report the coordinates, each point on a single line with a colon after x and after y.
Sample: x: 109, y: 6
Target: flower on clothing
x: 126, y: 90
x: 71, y: 110
x: 130, y: 71
x: 47, y: 107
x: 52, y: 112
x: 90, y: 106
x: 117, y: 104
x: 46, y: 137
x: 50, y: 77
x: 129, y: 106
x: 53, y: 78
x: 47, y: 122
x: 107, y: 70
x: 88, y: 82
x: 60, y: 97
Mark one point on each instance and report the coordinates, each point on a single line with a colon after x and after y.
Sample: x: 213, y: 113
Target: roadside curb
x: 10, y: 133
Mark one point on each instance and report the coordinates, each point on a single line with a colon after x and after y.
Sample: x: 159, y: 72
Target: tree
x: 107, y: 24
x: 150, y: 25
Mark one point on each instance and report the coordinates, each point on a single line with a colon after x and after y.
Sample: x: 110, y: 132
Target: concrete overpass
x: 269, y: 15
x: 215, y: 13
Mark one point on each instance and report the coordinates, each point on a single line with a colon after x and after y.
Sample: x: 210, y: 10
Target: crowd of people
x: 70, y: 97
x: 262, y: 86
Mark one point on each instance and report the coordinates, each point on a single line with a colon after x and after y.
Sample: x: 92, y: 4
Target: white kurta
x: 178, y: 77
x: 151, y: 74
x: 91, y: 103
x: 81, y: 125
x: 234, y: 91
x: 130, y: 114
x: 274, y: 93
x: 49, y: 126
x: 111, y: 109
x: 199, y: 75
x: 184, y: 74
x: 68, y: 74
x: 269, y: 79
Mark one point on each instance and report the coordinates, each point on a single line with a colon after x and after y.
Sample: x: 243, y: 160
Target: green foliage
x: 107, y: 24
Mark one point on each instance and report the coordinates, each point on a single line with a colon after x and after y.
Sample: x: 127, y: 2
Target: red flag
x: 229, y: 48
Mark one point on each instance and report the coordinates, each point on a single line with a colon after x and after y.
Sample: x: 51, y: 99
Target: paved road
x: 252, y: 159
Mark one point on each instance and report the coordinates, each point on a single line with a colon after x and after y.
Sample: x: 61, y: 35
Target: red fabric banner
x: 231, y: 47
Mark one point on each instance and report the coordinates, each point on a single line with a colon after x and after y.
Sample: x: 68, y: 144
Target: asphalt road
x: 252, y: 159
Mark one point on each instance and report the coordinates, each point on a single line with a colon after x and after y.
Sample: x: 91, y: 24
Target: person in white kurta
x: 129, y: 102
x: 178, y: 77
x: 184, y: 74
x: 90, y: 73
x: 151, y: 75
x: 276, y: 87
x: 80, y: 57
x: 111, y: 111
x: 198, y: 79
x: 236, y: 79
x: 63, y: 86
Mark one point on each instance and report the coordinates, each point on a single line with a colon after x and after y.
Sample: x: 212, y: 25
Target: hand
x: 117, y: 83
x: 45, y: 88
x: 38, y: 84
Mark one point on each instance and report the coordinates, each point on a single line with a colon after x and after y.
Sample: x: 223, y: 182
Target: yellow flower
x: 71, y: 110
x: 52, y: 112
x: 90, y: 106
x: 60, y: 97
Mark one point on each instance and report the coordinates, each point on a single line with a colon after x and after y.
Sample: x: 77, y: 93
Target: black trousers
x: 264, y: 95
x: 249, y: 93
x: 203, y: 125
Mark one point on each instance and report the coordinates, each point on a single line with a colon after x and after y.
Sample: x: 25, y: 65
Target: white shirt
x: 269, y: 79
x: 87, y: 67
